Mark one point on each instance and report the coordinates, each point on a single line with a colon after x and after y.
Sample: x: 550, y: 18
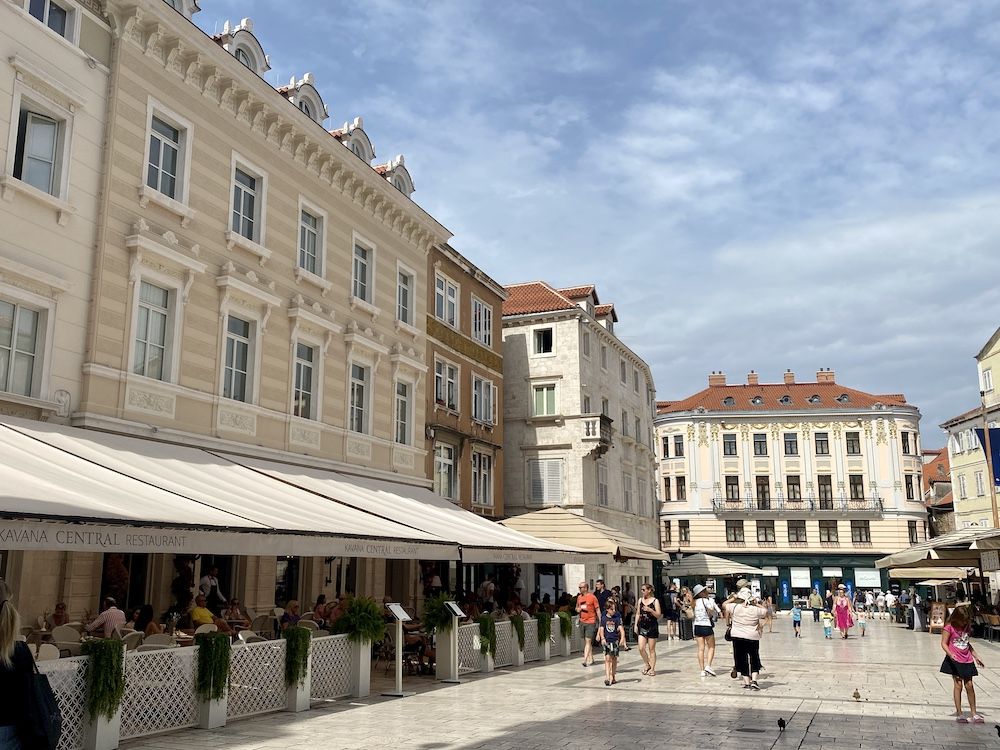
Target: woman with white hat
x: 706, y: 612
x: 745, y: 620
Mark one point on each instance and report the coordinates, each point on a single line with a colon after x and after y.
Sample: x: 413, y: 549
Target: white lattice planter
x: 256, y: 679
x: 67, y: 679
x: 331, y: 667
x: 532, y: 650
x: 575, y: 638
x: 469, y: 658
x: 505, y: 644
x: 159, y: 692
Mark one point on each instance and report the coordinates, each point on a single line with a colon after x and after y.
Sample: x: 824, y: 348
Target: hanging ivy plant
x: 544, y: 626
x: 487, y: 636
x: 565, y: 624
x: 297, y: 641
x: 212, y: 678
x: 518, y: 624
x: 105, y: 676
x: 362, y: 620
x: 436, y: 615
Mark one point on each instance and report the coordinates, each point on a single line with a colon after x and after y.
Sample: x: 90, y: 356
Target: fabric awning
x: 480, y: 539
x: 55, y: 478
x: 562, y: 527
x: 701, y: 564
x: 936, y: 582
x: 955, y: 547
x: 951, y: 573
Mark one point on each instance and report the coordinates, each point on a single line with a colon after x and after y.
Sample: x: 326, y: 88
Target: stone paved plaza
x: 809, y: 682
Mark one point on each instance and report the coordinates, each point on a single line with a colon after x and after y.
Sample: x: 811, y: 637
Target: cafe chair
x: 65, y: 633
x: 308, y: 624
x: 159, y: 639
x: 206, y: 629
x: 246, y: 635
x: 320, y: 633
x: 133, y: 640
x: 278, y: 612
x: 155, y: 647
x: 262, y: 624
x: 47, y: 652
x: 308, y: 616
x: 77, y: 626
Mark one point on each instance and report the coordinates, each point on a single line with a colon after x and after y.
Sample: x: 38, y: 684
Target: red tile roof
x: 940, y: 502
x: 714, y: 398
x: 937, y: 469
x: 578, y: 292
x: 600, y: 310
x: 534, y: 297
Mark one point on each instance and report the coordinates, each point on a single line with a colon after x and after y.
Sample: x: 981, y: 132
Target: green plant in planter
x: 212, y: 677
x: 436, y: 615
x: 297, y: 641
x: 362, y: 620
x: 544, y: 626
x: 487, y: 636
x: 518, y: 624
x: 565, y: 624
x: 105, y: 676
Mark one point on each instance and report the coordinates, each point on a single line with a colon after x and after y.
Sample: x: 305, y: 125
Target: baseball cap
x: 599, y: 578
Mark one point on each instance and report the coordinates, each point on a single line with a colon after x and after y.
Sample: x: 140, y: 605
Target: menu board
x: 938, y: 612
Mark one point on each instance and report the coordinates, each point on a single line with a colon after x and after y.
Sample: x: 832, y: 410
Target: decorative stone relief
x: 237, y: 422
x: 703, y: 434
x: 806, y: 429
x: 359, y: 448
x: 402, y: 459
x: 149, y: 402
x: 893, y: 429
x: 304, y: 435
x: 880, y: 438
x: 837, y: 429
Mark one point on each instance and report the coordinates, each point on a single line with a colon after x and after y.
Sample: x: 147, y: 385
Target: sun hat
x: 745, y: 594
x: 742, y: 583
x: 842, y: 586
x: 698, y: 588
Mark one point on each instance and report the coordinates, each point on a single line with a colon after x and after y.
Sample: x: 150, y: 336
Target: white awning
x: 481, y: 540
x: 54, y: 478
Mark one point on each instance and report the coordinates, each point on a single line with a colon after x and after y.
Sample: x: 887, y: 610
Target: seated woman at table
x: 234, y: 614
x: 130, y: 623
x: 202, y: 615
x: 59, y: 616
x: 319, y: 610
x: 146, y: 623
x: 291, y: 616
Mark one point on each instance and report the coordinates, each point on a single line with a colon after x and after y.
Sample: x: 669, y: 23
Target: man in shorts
x: 589, y: 611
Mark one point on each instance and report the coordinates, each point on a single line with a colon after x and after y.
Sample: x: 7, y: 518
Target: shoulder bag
x: 729, y: 626
x: 44, y: 720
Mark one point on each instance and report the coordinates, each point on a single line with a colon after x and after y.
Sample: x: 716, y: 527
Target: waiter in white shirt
x: 209, y: 586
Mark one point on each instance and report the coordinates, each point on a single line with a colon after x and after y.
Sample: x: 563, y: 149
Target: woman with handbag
x: 706, y: 612
x: 647, y: 628
x: 745, y: 621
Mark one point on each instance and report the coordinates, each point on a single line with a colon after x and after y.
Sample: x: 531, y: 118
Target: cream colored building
x: 578, y: 409
x: 247, y: 285
x: 810, y: 481
x: 969, y: 476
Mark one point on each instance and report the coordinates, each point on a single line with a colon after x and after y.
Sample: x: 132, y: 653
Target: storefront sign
x: 800, y: 578
x: 866, y: 577
x: 769, y: 572
x: 833, y: 572
x: 990, y: 560
x: 785, y: 593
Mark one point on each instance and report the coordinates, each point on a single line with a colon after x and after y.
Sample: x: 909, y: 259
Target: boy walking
x: 797, y: 620
x: 611, y: 635
x: 862, y: 620
x: 827, y: 618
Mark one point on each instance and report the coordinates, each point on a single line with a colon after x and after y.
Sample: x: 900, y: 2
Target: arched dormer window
x: 729, y: 401
x: 354, y: 137
x: 304, y: 106
x: 240, y: 42
x: 244, y: 57
x: 814, y: 399
x: 843, y: 398
x: 397, y: 174
x: 785, y: 400
x: 187, y: 8
x: 303, y: 94
x: 757, y: 400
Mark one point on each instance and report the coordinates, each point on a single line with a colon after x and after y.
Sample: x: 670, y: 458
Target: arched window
x: 814, y: 399
x: 844, y: 398
x: 398, y: 184
x: 757, y: 400
x: 785, y: 400
x: 304, y: 106
x: 729, y: 401
x: 356, y: 148
x: 244, y: 57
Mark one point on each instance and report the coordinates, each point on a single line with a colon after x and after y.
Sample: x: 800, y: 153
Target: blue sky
x: 755, y: 185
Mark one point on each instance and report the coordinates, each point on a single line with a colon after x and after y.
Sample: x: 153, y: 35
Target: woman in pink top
x: 960, y: 661
x: 843, y: 611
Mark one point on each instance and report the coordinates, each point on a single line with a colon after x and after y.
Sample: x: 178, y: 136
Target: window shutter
x: 494, y: 417
x: 553, y: 481
x: 536, y: 480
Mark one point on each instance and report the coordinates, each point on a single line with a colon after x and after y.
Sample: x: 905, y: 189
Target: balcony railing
x: 755, y: 505
x: 597, y: 429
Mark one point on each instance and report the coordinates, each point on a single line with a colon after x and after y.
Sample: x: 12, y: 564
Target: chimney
x: 789, y: 377
x: 825, y: 375
x: 753, y: 378
x: 716, y: 378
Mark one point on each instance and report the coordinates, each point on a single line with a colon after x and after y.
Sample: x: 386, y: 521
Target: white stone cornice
x: 27, y: 69
x: 236, y: 291
x: 142, y: 246
x: 10, y: 268
x: 298, y: 312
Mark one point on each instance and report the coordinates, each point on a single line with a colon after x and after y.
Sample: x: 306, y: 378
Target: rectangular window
x: 797, y: 532
x: 791, y: 444
x: 732, y: 488
x: 623, y: 371
x: 303, y: 397
x: 765, y: 532
x: 545, y: 477
x: 861, y: 532
x: 361, y: 278
x: 665, y: 446
x: 666, y: 490
x: 54, y: 15
x: 586, y: 404
x: 825, y: 485
x: 402, y: 415
x: 643, y: 496
x: 482, y: 400
x: 963, y: 490
x: 627, y: 491
x: 905, y: 439
x: 602, y: 484
x: 763, y: 493
x: 151, y: 331
x: 604, y: 357
x: 543, y: 341
x: 828, y: 532
x: 445, y: 482
x: 682, y: 493
x: 684, y: 532
x: 822, y: 444
x: 310, y: 228
x: 482, y: 322
x: 360, y: 377
x: 911, y: 528
x: 19, y: 344
x: 760, y: 444
x: 638, y: 429
x: 678, y: 446
x: 853, y: 443
x: 988, y: 379
x: 164, y: 159
x: 605, y: 407
x: 36, y: 155
x: 729, y: 444
x: 585, y: 343
x: 734, y: 532
x: 446, y: 385
x: 245, y: 194
x: 446, y: 300
x: 404, y: 297
x: 794, y: 487
x: 236, y: 374
x: 856, y: 485
x: 635, y: 381
x: 482, y: 479
x: 667, y: 532
x: 980, y: 485
x: 545, y: 400
x: 624, y: 423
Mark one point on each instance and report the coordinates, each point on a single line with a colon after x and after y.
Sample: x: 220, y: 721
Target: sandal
x: 607, y: 683
x: 961, y: 720
x: 977, y: 719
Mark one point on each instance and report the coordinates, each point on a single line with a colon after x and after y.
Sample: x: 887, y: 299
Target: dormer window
x: 729, y: 401
x: 304, y: 106
x: 244, y: 57
x: 814, y: 399
x: 757, y: 400
x: 303, y: 94
x: 844, y: 398
x: 186, y: 7
x: 785, y: 400
x: 240, y: 42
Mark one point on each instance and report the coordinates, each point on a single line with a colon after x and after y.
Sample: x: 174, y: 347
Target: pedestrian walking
x: 16, y: 671
x: 610, y: 635
x: 827, y: 618
x: 589, y: 610
x: 815, y: 604
x: 769, y: 605
x: 671, y: 611
x: 960, y: 660
x: 797, y: 620
x: 843, y: 611
x: 706, y: 612
x: 862, y: 620
x: 880, y: 604
x: 647, y: 628
x: 745, y: 618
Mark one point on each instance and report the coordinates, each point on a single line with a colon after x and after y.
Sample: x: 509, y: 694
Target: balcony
x: 597, y: 429
x: 752, y: 506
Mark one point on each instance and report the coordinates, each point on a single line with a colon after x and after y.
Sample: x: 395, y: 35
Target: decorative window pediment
x: 162, y: 253
x: 397, y: 175
x: 237, y: 293
x: 240, y: 42
x: 304, y: 95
